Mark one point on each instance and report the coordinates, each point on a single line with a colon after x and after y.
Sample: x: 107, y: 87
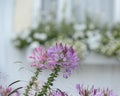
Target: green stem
x: 49, y: 82
x: 31, y: 83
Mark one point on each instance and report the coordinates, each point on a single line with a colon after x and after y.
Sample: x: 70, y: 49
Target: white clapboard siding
x: 106, y: 10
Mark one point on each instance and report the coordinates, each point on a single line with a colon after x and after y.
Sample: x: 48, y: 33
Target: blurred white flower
x: 34, y: 45
x: 25, y: 34
x: 41, y: 36
x: 47, y: 28
x: 92, y: 26
x: 78, y: 34
x: 89, y: 34
x: 93, y: 39
x: 79, y: 27
x: 29, y: 39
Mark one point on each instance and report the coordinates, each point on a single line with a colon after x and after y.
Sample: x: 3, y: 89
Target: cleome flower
x: 63, y: 56
x: 94, y: 91
x: 60, y: 54
x: 39, y: 58
x: 57, y: 92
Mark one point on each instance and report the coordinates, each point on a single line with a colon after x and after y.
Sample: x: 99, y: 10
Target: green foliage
x: 108, y: 43
x: 51, y: 30
x: 15, y: 90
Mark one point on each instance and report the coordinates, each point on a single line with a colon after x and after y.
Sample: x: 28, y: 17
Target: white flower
x: 92, y: 26
x: 47, y: 28
x: 29, y: 39
x: 25, y: 34
x: 80, y: 27
x: 93, y: 39
x: 41, y: 36
x: 34, y: 45
x: 78, y: 34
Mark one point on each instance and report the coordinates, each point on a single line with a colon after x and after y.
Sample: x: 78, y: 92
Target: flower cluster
x: 63, y: 56
x: 39, y: 58
x: 94, y: 91
x: 5, y: 91
x: 56, y: 58
x: 60, y: 55
x: 8, y: 91
x: 57, y: 92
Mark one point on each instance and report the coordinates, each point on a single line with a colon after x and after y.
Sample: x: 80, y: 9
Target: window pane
x: 49, y: 7
x: 102, y: 9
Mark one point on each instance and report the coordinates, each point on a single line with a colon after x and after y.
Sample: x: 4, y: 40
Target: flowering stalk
x: 55, y: 58
x: 31, y: 83
x: 50, y: 81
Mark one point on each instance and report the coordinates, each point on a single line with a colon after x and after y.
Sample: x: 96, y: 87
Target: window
x: 102, y: 9
x: 49, y: 8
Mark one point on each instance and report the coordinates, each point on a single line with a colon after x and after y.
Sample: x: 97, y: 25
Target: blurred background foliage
x: 93, y: 35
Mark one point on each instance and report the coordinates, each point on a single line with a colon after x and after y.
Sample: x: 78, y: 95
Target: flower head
x: 63, y: 56
x: 108, y: 92
x: 94, y: 91
x: 59, y: 54
x: 39, y: 58
x: 57, y: 92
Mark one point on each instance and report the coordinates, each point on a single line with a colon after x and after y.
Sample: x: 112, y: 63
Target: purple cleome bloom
x: 39, y: 58
x: 93, y: 91
x: 57, y: 92
x: 63, y: 56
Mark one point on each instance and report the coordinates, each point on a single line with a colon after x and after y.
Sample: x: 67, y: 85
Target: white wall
x: 8, y: 54
x: 103, y: 75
